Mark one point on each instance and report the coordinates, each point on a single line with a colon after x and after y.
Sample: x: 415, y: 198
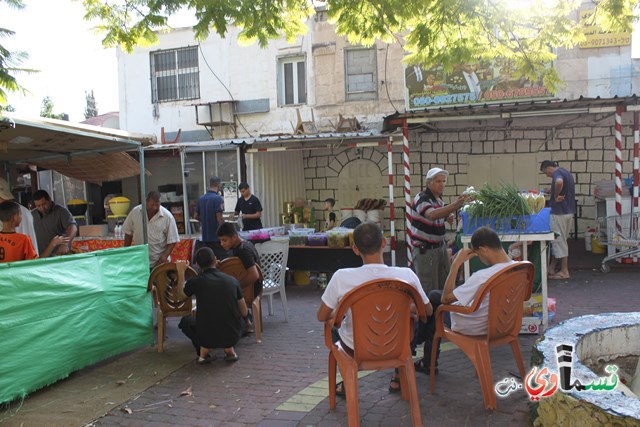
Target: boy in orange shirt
x: 15, y: 246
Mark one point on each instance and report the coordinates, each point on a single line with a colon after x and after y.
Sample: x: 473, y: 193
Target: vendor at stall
x: 51, y: 220
x: 162, y: 230
x: 249, y: 207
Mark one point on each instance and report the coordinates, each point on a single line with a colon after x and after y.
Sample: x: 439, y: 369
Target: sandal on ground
x: 231, y: 357
x: 340, y: 389
x: 394, y: 385
x: 207, y: 359
x: 420, y: 366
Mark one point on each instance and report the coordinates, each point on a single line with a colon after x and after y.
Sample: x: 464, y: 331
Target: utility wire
x: 223, y: 85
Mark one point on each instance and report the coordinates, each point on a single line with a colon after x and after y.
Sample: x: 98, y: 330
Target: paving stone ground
x: 282, y: 381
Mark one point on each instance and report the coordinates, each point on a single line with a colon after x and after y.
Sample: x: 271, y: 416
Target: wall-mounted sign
x: 597, y: 37
x: 470, y: 83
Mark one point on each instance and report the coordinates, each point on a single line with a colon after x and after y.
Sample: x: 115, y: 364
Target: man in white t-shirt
x: 485, y: 244
x: 162, y: 231
x: 368, y: 244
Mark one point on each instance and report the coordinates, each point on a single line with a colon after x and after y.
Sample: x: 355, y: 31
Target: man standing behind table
x: 209, y: 211
x: 427, y: 230
x: 26, y: 226
x: 250, y: 207
x: 51, y: 220
x: 486, y: 245
x: 563, y: 207
x: 369, y: 245
x: 162, y: 231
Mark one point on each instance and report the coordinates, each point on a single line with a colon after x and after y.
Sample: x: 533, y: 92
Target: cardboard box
x: 93, y: 230
x: 531, y: 325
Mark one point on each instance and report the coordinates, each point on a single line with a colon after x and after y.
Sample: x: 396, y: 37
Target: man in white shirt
x: 368, y: 244
x: 26, y: 225
x: 486, y: 245
x: 162, y: 231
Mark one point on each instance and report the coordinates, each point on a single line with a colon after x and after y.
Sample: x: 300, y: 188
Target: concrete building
x: 305, y: 119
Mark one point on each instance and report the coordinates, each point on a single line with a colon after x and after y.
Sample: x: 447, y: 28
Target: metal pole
x: 392, y: 219
x: 143, y: 195
x: 407, y: 188
x: 185, y: 202
x: 618, y: 170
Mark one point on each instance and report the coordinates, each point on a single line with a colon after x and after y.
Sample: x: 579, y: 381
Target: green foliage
x: 433, y: 32
x: 10, y: 62
x: 91, y: 110
x: 47, y: 109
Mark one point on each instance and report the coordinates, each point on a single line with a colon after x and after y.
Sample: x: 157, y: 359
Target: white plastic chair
x: 273, y: 258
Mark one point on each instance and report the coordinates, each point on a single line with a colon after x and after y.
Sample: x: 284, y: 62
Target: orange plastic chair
x: 165, y: 280
x: 508, y: 290
x: 382, y: 326
x: 234, y: 267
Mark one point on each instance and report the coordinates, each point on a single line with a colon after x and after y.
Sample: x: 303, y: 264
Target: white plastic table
x: 544, y: 239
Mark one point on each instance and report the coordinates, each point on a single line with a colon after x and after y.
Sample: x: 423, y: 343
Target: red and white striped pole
x: 392, y: 216
x: 618, y: 178
x: 636, y: 176
x: 407, y: 188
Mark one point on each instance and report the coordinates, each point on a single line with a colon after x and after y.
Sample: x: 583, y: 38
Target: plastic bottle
x: 322, y: 280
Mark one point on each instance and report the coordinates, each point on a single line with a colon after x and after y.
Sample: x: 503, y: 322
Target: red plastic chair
x: 508, y: 290
x: 382, y: 326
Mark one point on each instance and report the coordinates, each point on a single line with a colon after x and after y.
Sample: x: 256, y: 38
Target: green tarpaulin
x: 60, y: 314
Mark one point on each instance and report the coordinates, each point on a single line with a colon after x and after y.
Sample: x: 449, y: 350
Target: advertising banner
x: 469, y: 83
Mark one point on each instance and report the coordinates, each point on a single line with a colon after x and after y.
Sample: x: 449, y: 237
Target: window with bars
x: 292, y: 82
x: 361, y: 74
x: 175, y: 74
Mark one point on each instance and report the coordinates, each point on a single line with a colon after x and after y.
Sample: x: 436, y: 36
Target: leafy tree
x: 47, y: 110
x: 91, y: 110
x: 10, y: 62
x: 524, y: 33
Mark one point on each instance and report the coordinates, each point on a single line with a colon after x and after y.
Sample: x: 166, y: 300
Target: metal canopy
x: 85, y: 152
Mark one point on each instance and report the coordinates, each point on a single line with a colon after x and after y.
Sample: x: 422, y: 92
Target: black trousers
x: 188, y: 327
x: 427, y: 331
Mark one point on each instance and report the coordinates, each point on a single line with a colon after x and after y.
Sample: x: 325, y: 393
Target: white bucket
x: 346, y: 213
x: 360, y: 214
x: 374, y: 216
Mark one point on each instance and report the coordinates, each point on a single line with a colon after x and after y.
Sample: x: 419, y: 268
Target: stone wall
x: 563, y: 410
x: 584, y: 144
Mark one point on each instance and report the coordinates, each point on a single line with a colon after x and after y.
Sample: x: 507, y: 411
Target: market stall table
x: 181, y: 252
x: 321, y: 258
x: 544, y: 239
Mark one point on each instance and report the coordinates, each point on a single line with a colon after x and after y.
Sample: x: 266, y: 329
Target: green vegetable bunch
x: 501, y: 201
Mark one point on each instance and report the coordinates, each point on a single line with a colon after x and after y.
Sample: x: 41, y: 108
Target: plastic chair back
x: 273, y: 258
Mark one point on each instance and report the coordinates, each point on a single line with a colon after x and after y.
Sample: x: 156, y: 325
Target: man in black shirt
x: 250, y: 207
x: 232, y: 242
x: 221, y: 307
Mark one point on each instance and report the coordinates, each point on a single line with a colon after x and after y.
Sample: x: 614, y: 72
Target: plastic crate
x: 526, y: 224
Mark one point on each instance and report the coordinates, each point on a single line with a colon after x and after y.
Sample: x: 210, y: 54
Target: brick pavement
x: 282, y: 381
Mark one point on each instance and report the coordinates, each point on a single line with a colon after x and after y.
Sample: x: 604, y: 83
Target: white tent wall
x: 275, y: 178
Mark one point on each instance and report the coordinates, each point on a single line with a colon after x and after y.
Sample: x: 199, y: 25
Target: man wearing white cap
x: 427, y: 230
x: 26, y: 225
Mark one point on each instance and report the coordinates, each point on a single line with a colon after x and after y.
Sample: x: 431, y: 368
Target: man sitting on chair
x: 485, y: 244
x: 231, y: 241
x: 368, y: 244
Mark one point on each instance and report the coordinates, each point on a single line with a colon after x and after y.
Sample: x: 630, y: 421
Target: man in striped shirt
x: 427, y: 230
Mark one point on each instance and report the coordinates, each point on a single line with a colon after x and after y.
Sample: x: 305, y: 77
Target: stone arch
x: 358, y: 179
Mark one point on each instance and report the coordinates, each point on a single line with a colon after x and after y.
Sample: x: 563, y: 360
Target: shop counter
x: 181, y: 252
x: 321, y: 258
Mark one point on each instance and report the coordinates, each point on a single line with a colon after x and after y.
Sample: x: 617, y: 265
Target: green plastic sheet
x: 60, y: 314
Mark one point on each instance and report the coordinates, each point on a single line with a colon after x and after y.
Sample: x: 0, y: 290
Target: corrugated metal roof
x: 272, y: 139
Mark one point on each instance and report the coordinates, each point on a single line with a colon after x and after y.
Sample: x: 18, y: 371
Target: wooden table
x: 181, y: 251
x: 321, y: 258
x: 544, y: 239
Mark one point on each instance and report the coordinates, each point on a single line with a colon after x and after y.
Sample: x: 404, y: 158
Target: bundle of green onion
x: 501, y: 201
